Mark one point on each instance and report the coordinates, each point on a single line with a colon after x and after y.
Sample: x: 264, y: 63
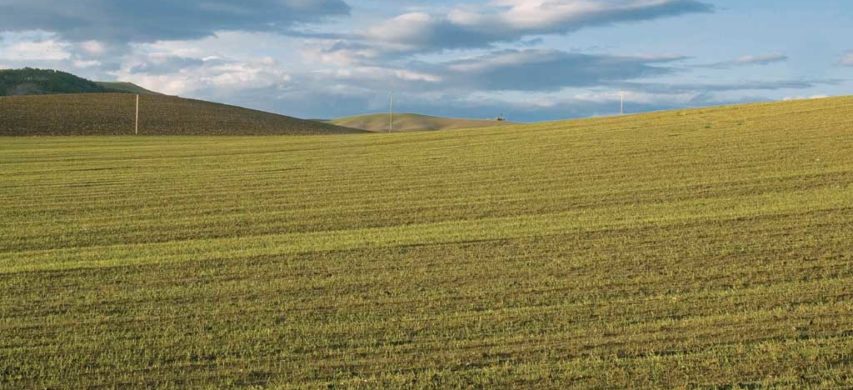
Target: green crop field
x: 709, y: 248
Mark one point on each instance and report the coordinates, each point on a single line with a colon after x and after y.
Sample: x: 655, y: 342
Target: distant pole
x: 622, y: 103
x: 136, y: 122
x: 391, y: 113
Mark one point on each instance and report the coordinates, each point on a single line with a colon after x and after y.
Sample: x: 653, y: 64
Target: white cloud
x: 339, y: 53
x: 383, y: 74
x: 82, y: 64
x: 761, y: 59
x: 789, y: 98
x: 748, y: 60
x: 847, y: 60
x: 93, y: 48
x: 33, y: 46
x: 212, y: 73
x: 513, y: 20
x: 259, y: 73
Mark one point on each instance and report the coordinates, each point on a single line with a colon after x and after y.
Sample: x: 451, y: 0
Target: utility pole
x: 136, y: 122
x: 621, y: 102
x: 391, y: 113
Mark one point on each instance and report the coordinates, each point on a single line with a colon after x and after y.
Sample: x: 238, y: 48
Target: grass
x: 707, y: 248
x: 412, y: 122
x: 113, y: 114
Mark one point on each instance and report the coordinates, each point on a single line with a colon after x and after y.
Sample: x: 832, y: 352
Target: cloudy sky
x: 528, y: 59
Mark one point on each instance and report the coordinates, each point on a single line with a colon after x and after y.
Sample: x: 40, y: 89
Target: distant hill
x: 29, y: 81
x: 412, y: 122
x: 118, y: 86
x: 113, y: 114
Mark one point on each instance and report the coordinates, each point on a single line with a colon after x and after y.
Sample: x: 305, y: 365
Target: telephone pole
x: 391, y: 112
x: 136, y: 121
x: 621, y: 102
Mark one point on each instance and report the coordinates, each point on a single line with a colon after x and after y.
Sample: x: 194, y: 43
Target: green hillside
x: 118, y: 86
x: 412, y: 122
x: 114, y: 114
x: 709, y: 249
x: 29, y: 81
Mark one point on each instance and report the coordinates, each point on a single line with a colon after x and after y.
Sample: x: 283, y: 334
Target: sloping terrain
x: 114, y: 114
x: 708, y: 249
x: 412, y: 122
x: 29, y: 81
x: 119, y: 86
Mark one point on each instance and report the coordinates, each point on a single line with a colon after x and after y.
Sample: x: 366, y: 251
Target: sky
x: 528, y: 60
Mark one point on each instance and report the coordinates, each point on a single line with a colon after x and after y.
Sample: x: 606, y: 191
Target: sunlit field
x: 699, y: 248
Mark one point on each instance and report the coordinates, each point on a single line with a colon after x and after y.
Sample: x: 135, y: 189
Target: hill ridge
x: 126, y: 87
x: 113, y: 114
x: 380, y: 122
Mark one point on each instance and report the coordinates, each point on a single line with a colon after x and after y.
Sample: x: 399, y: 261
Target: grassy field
x: 412, y: 122
x: 114, y: 113
x: 710, y: 248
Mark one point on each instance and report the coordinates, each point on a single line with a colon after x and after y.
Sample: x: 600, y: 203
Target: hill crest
x: 32, y: 81
x: 114, y: 113
x: 413, y: 122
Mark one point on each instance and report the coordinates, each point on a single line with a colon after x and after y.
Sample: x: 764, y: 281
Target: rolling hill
x: 29, y: 81
x: 412, y: 122
x: 113, y: 114
x: 119, y: 86
x: 708, y: 248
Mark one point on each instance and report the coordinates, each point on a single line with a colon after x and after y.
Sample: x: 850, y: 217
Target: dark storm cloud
x: 152, y: 20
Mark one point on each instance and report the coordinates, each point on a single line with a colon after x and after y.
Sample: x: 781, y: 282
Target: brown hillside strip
x: 113, y: 114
